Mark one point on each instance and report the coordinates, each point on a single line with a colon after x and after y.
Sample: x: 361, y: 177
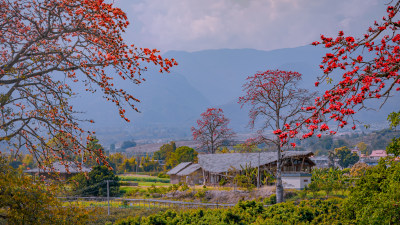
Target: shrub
x: 270, y: 200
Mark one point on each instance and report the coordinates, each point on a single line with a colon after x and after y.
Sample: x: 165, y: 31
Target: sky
x: 194, y: 25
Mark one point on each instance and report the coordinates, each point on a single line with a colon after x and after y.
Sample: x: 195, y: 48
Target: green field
x: 146, y: 179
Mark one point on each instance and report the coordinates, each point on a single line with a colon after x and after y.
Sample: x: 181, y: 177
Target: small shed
x: 192, y: 174
x: 296, y: 180
x: 173, y: 173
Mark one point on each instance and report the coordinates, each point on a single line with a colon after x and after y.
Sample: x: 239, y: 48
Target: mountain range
x: 171, y: 103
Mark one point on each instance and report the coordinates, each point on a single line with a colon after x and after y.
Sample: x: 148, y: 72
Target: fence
x: 149, y: 203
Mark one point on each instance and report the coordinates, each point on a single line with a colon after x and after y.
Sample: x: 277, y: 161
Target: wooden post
x: 108, y: 196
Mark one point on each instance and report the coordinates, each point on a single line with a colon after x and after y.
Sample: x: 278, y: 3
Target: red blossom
x: 44, y: 46
x: 363, y: 77
x: 212, y: 130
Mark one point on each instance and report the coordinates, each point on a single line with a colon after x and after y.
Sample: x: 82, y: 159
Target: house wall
x: 194, y: 178
x: 174, y: 179
x: 296, y: 181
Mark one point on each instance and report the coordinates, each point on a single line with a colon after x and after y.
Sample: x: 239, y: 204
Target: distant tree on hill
x: 128, y: 144
x: 212, y: 130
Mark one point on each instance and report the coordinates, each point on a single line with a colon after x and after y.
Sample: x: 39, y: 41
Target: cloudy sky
x: 193, y: 25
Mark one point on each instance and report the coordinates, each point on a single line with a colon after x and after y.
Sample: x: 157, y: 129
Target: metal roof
x: 218, y: 163
x: 178, y: 168
x: 188, y: 170
x: 58, y: 167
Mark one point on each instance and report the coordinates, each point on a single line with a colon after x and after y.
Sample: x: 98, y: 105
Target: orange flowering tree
x: 369, y: 68
x: 212, y: 130
x: 276, y: 101
x: 48, y: 45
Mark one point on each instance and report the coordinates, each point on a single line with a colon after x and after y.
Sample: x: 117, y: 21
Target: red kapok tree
x: 212, y: 130
x: 46, y: 46
x: 278, y: 103
x: 369, y: 70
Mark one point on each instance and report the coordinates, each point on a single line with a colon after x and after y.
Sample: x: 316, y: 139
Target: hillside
x: 171, y: 103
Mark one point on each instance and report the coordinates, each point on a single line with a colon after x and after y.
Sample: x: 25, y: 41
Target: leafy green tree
x: 375, y: 197
x: 117, y: 160
x: 148, y: 164
x: 362, y: 147
x: 358, y: 169
x: 346, y: 157
x: 182, y: 154
x: 394, y: 145
x: 95, y: 184
x: 165, y: 151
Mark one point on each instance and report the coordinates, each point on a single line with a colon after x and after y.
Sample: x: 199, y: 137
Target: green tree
x: 117, y: 160
x: 95, y: 184
x: 182, y: 154
x: 394, y: 145
x: 165, y: 151
x: 375, y: 197
x: 346, y: 158
x: 362, y: 147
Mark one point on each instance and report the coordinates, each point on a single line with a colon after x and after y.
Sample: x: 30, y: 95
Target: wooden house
x: 191, y: 175
x: 218, y: 166
x: 173, y: 173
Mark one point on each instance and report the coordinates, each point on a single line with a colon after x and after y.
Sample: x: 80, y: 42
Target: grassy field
x: 143, y: 178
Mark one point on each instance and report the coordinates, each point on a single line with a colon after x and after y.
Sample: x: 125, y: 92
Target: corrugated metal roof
x: 178, y: 168
x: 58, y: 167
x: 188, y: 170
x: 218, y: 163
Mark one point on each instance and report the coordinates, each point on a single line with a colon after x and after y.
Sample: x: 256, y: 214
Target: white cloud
x: 261, y: 24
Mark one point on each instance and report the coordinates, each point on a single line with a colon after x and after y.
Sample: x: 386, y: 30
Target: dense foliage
x: 346, y: 157
x: 329, y: 179
x: 26, y: 200
x: 375, y: 197
x: 249, y: 212
x: 96, y: 183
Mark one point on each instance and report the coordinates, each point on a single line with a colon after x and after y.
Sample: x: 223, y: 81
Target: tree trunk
x: 279, y: 186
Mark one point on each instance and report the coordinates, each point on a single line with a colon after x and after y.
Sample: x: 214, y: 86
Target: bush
x: 96, y: 185
x: 184, y: 187
x: 271, y: 200
x: 222, y: 182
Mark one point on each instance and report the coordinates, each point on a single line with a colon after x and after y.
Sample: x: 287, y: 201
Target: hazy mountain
x: 210, y: 78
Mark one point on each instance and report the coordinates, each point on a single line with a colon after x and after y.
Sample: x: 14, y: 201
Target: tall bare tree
x: 212, y: 130
x: 278, y: 103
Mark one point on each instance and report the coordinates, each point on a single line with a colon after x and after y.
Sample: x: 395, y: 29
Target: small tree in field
x: 277, y: 102
x: 48, y: 45
x: 212, y: 130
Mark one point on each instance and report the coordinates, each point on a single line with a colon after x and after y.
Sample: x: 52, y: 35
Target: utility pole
x: 108, y: 196
x: 258, y: 171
